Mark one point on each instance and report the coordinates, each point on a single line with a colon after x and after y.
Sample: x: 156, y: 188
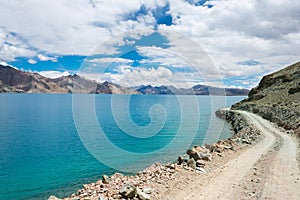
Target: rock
x: 172, y: 166
x: 193, y: 154
x: 200, y: 169
x: 200, y: 163
x: 53, y: 198
x: 246, y: 141
x: 105, y: 179
x: 210, y: 147
x: 191, y: 163
x: 218, y: 150
x: 205, y: 156
x: 147, y: 190
x: 180, y: 160
x: 199, y: 149
x: 142, y: 195
x: 128, y: 190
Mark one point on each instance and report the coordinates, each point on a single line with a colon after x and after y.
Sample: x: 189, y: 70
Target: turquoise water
x: 43, y: 154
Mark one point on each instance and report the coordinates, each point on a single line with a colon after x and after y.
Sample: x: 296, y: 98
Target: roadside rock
x: 105, y: 179
x: 205, y: 156
x: 147, y: 190
x: 128, y: 190
x: 180, y: 160
x: 191, y: 163
x: 200, y: 163
x: 142, y: 195
x: 53, y: 198
x: 193, y: 154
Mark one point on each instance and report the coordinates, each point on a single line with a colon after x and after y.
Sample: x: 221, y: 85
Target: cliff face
x: 277, y: 98
x: 13, y: 80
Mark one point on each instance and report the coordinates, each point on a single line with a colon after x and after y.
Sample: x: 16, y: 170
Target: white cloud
x: 31, y: 61
x: 162, y: 56
x: 233, y: 31
x: 12, y: 47
x: 139, y: 76
x: 53, y: 74
x: 46, y: 58
x: 136, y: 76
x: 63, y: 27
x: 111, y: 60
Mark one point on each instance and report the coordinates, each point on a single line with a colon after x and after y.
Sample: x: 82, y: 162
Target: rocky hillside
x: 277, y: 98
x: 13, y: 80
x: 195, y: 90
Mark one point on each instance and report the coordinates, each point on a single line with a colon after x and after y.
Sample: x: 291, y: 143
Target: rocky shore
x: 154, y: 181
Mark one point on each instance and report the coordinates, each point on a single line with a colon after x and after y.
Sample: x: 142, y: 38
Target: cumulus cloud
x: 234, y: 30
x: 46, y: 58
x: 136, y: 76
x: 31, y: 61
x: 65, y: 27
x: 11, y: 46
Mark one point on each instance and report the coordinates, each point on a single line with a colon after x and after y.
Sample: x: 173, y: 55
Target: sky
x: 229, y: 43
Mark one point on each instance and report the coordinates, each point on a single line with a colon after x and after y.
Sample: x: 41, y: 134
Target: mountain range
x: 195, y: 90
x: 13, y: 80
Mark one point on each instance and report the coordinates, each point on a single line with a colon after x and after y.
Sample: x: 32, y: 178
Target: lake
x: 52, y: 144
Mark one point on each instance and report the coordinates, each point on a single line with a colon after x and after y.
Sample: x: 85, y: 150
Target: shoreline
x: 155, y: 180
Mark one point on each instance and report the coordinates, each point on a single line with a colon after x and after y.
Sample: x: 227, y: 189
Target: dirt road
x: 268, y: 170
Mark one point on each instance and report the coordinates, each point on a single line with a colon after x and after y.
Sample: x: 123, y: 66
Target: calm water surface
x: 41, y: 152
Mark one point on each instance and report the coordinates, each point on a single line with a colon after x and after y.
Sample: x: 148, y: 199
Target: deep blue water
x: 46, y: 146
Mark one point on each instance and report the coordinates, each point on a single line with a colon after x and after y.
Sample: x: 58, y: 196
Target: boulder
x: 191, y: 163
x: 128, y: 190
x: 53, y: 198
x: 147, y: 190
x: 202, y: 170
x: 210, y: 147
x: 180, y: 160
x: 105, y: 179
x: 205, y: 156
x: 142, y: 195
x: 193, y: 154
x: 200, y: 149
x: 200, y: 163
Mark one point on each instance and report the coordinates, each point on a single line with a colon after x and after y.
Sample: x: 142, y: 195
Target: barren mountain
x: 13, y: 80
x: 277, y: 98
x: 195, y: 90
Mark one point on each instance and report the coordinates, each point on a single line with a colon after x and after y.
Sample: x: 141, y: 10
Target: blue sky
x: 228, y: 43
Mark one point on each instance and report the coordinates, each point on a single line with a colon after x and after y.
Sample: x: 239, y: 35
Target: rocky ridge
x: 16, y: 81
x: 13, y: 80
x: 195, y: 90
x: 277, y: 98
x: 152, y: 182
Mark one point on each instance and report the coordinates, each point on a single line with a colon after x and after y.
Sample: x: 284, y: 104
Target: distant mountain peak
x: 14, y: 80
x: 195, y: 90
